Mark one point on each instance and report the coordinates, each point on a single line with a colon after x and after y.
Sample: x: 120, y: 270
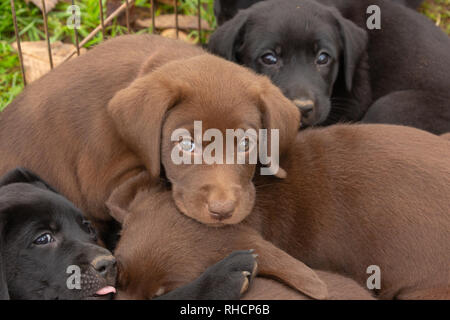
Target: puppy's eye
x: 323, y: 58
x: 269, y: 58
x: 187, y: 145
x: 244, y: 145
x: 89, y: 227
x: 44, y: 239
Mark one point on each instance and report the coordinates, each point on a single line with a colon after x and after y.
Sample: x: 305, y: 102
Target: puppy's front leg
x: 226, y: 280
x: 275, y: 263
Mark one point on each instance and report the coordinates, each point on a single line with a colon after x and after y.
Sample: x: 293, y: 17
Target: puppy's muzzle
x: 307, y: 110
x: 221, y: 210
x: 105, y: 265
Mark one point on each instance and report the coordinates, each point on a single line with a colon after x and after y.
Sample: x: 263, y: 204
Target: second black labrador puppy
x: 44, y: 240
x: 322, y: 56
x: 224, y: 10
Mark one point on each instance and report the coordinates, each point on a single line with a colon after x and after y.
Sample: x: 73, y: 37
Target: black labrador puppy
x: 44, y: 239
x: 224, y: 10
x: 322, y: 56
x: 317, y: 57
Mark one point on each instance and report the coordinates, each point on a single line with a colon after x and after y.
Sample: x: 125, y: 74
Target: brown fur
x: 365, y: 195
x: 446, y: 136
x: 160, y: 250
x: 339, y: 288
x: 96, y: 121
x: 355, y: 196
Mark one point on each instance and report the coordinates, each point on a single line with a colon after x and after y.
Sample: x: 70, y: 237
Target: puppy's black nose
x: 104, y: 264
x: 221, y: 210
x: 306, y: 110
x: 306, y: 106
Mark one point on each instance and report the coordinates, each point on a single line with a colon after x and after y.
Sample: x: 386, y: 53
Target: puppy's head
x: 201, y: 119
x: 304, y: 47
x: 48, y: 250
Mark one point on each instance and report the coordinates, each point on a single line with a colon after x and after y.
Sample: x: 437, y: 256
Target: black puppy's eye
x: 89, y: 227
x: 323, y: 58
x: 269, y: 58
x: 44, y: 239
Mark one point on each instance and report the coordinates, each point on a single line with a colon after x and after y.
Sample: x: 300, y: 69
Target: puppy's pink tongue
x: 105, y: 291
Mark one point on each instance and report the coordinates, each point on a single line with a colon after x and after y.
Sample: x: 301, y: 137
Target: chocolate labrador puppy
x: 316, y: 52
x: 42, y: 234
x: 160, y: 250
x: 364, y: 195
x: 357, y: 196
x: 339, y: 288
x: 95, y: 121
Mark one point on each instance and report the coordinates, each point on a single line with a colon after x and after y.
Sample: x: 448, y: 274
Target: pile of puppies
x: 98, y: 129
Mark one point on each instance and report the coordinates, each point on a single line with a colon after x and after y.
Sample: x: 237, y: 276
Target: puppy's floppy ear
x: 138, y: 113
x: 22, y: 175
x: 217, y: 9
x: 229, y: 37
x: 355, y: 42
x: 278, y: 113
x: 121, y: 198
x: 4, y: 295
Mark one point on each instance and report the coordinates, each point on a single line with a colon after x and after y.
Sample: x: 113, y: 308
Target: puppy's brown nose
x: 104, y: 264
x: 221, y: 209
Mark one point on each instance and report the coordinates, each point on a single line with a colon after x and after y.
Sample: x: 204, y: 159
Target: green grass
x: 31, y: 27
x: 30, y: 23
x: 10, y: 77
x: 438, y: 11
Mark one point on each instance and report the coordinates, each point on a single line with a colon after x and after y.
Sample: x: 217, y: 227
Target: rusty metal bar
x: 44, y: 15
x: 102, y: 19
x: 75, y: 31
x: 199, y: 3
x: 94, y: 32
x: 127, y: 14
x: 19, y: 48
x: 176, y: 16
x: 153, y: 15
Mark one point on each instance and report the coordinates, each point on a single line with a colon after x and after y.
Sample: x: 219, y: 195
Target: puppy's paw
x: 231, y: 277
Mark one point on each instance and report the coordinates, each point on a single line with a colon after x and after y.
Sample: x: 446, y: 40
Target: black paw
x: 229, y: 278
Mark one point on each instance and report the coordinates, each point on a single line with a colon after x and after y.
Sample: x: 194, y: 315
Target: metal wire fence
x: 103, y: 21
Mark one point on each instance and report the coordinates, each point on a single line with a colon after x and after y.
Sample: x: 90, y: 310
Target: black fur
x: 297, y: 32
x: 222, y: 281
x: 225, y: 10
x: 407, y: 67
x: 29, y: 207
